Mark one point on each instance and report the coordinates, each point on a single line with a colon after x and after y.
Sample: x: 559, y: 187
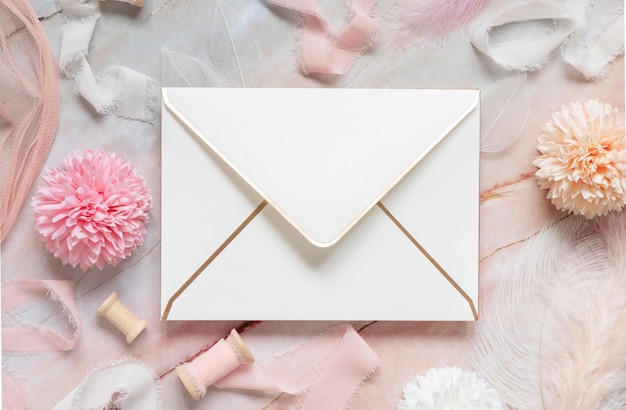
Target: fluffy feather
x: 554, y: 336
x: 438, y: 17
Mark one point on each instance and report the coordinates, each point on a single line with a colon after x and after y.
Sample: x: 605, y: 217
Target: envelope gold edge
x: 180, y: 117
x: 210, y: 259
x: 432, y: 260
x: 258, y: 210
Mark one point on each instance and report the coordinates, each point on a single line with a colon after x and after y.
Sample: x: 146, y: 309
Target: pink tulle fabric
x: 94, y: 211
x: 29, y: 105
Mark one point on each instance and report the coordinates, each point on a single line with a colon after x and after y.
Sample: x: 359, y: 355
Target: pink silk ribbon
x: 325, y: 53
x: 36, y: 339
x: 12, y: 396
x: 325, y: 373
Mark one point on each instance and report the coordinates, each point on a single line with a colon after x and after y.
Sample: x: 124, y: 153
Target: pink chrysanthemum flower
x: 583, y: 161
x: 92, y: 212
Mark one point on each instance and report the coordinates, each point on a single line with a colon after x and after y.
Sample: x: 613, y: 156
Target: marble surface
x: 512, y: 206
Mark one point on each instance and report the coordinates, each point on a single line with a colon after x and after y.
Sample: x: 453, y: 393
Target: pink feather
x: 438, y: 17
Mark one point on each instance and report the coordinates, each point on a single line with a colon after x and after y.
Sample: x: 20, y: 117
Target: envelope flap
x: 321, y: 157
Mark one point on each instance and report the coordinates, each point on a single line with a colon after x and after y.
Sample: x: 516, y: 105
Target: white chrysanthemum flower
x: 583, y: 161
x: 449, y: 388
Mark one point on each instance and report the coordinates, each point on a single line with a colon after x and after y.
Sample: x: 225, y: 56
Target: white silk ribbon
x: 118, y: 90
x: 588, y: 49
x: 589, y: 54
x: 126, y: 384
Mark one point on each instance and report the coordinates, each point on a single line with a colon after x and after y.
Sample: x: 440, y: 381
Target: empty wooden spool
x: 121, y: 317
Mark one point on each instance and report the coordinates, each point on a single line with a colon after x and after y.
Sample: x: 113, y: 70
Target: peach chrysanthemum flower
x: 92, y: 212
x: 583, y: 159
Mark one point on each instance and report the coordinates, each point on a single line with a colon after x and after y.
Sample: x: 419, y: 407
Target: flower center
x: 93, y: 208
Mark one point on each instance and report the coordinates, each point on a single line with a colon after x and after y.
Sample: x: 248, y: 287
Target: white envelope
x: 319, y: 204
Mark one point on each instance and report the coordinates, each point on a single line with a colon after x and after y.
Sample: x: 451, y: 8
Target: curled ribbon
x: 37, y: 338
x: 323, y: 52
x: 324, y: 374
x: 117, y: 89
x: 586, y: 53
x: 122, y: 384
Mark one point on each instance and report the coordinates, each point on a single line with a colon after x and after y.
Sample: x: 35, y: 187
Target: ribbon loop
x: 122, y: 384
x: 325, y: 53
x: 325, y: 373
x: 589, y: 54
x: 39, y: 339
x: 118, y: 90
x: 36, y: 338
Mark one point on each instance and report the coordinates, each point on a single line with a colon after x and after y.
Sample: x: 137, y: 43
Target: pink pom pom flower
x: 92, y: 212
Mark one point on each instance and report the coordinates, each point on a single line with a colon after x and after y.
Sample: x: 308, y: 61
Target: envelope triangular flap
x: 322, y: 157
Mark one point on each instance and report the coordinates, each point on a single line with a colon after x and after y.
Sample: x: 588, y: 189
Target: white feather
x: 554, y: 335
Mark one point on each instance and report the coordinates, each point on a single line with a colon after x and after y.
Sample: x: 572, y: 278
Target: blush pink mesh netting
x: 29, y: 105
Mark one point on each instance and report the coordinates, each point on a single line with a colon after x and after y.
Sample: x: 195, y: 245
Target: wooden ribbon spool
x: 224, y: 357
x: 121, y: 317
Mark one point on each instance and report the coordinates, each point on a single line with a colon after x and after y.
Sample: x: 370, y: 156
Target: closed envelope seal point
x: 359, y: 206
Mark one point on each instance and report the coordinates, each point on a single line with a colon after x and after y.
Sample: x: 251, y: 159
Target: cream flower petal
x: 583, y: 159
